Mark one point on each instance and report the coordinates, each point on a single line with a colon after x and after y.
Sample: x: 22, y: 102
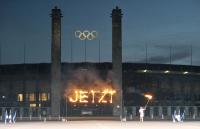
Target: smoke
x: 87, y: 79
x: 174, y: 57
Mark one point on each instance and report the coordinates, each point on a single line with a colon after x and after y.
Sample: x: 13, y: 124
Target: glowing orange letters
x: 93, y: 96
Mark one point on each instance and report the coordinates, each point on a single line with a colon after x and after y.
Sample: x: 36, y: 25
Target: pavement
x: 102, y: 124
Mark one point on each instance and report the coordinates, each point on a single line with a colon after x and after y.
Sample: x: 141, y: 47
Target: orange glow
x: 101, y: 100
x: 148, y: 96
x: 111, y: 94
x: 76, y: 98
x: 83, y: 96
x: 92, y: 96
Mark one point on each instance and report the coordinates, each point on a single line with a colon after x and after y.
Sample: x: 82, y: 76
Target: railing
x: 131, y: 113
x: 163, y: 112
x: 27, y: 113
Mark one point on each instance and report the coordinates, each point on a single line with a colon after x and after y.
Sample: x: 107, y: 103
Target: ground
x: 102, y: 125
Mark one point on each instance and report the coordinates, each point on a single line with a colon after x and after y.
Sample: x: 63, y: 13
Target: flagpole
x: 99, y: 52
x: 0, y: 54
x: 191, y: 54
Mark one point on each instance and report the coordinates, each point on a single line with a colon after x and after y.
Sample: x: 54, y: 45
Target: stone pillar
x: 21, y: 113
x: 37, y: 92
x: 195, y: 112
x: 39, y: 112
x: 48, y: 112
x: 177, y: 109
x: 151, y: 112
x: 169, y: 112
x: 117, y: 58
x: 12, y: 110
x: 125, y: 111
x: 134, y: 111
x: 3, y: 112
x: 160, y: 111
x: 66, y: 110
x: 186, y: 111
x: 56, y: 63
x: 30, y: 113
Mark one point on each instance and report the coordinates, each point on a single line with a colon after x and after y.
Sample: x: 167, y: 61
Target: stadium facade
x: 40, y: 89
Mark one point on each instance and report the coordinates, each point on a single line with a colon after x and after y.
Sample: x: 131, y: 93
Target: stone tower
x: 56, y: 62
x: 117, y: 56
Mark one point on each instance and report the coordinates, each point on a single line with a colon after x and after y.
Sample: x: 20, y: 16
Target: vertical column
x: 56, y: 62
x: 134, y: 111
x: 24, y: 91
x: 169, y: 113
x: 3, y: 112
x: 48, y: 112
x: 195, y: 112
x: 117, y: 58
x: 37, y: 93
x: 12, y: 110
x: 30, y: 113
x: 21, y: 111
x: 177, y: 108
x: 160, y: 111
x: 151, y: 112
x: 0, y: 54
x: 186, y: 111
x: 39, y: 112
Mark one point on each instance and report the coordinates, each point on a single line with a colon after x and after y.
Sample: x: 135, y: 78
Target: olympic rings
x: 86, y: 34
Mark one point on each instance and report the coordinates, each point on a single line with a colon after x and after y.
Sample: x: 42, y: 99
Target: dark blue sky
x: 157, y: 23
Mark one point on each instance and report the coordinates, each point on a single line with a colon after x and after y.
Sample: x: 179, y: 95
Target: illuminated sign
x: 86, y: 34
x: 92, y: 96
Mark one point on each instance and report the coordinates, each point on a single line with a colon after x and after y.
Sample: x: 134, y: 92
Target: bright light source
x: 148, y: 96
x: 20, y: 97
x: 186, y: 72
x: 167, y: 71
x: 145, y: 70
x: 43, y: 97
x: 33, y: 105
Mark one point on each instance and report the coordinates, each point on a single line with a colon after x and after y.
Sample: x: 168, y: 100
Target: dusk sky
x: 157, y: 23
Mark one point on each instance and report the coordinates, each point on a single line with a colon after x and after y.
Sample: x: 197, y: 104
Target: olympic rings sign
x: 86, y: 34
